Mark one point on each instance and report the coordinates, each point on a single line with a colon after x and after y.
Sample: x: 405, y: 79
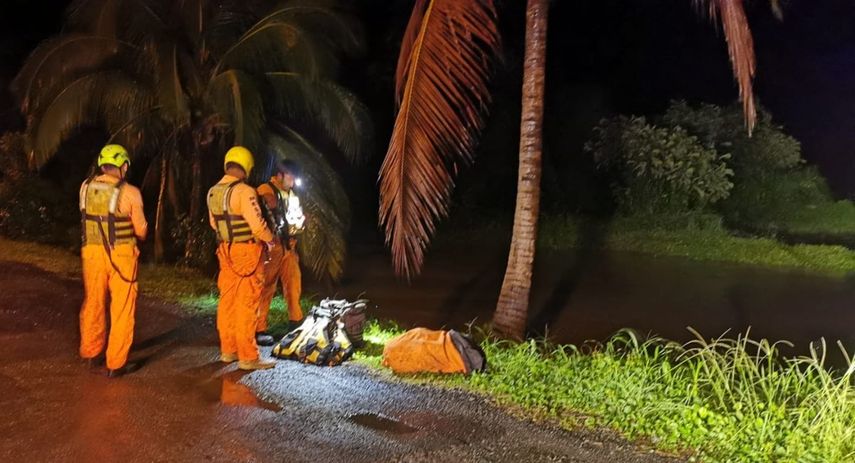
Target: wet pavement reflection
x: 382, y: 423
x: 216, y: 383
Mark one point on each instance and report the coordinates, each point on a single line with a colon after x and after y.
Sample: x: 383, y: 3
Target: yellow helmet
x: 240, y: 156
x: 113, y: 155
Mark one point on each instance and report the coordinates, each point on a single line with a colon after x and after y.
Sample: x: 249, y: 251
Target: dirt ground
x: 183, y: 405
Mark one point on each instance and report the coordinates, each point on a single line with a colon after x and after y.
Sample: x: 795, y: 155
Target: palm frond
x: 98, y: 17
x: 140, y: 133
x: 323, y: 246
x: 151, y: 178
x: 332, y: 108
x: 280, y: 46
x: 98, y: 97
x: 195, y: 19
x: 414, y: 27
x: 225, y: 26
x: 443, y: 99
x: 170, y: 91
x: 740, y: 46
x: 130, y: 20
x: 237, y: 99
x: 55, y: 62
x: 324, y: 19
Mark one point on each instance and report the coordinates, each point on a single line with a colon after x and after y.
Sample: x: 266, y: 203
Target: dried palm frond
x: 740, y: 46
x: 442, y: 94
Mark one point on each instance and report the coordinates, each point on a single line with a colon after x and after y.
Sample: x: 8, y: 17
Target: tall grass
x: 726, y: 399
x: 720, y: 400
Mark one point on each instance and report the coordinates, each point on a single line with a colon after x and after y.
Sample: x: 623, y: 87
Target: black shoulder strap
x: 227, y: 197
x: 111, y: 215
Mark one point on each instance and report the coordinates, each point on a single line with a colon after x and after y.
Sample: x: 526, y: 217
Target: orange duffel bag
x: 421, y: 350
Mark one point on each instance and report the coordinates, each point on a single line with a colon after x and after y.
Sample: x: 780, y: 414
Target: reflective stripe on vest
x: 231, y: 228
x: 99, y: 219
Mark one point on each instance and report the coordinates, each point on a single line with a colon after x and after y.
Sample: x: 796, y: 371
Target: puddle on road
x: 226, y: 389
x: 381, y: 423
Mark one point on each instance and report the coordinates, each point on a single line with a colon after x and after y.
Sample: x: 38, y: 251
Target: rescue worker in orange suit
x: 112, y: 221
x: 235, y: 215
x: 287, y: 217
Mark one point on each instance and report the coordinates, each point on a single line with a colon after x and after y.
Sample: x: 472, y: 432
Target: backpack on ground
x: 421, y: 350
x: 322, y: 339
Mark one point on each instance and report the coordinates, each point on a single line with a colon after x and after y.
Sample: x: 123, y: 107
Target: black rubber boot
x: 264, y: 339
x: 94, y: 362
x: 128, y: 368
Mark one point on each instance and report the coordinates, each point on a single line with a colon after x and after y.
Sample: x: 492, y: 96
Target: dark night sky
x: 615, y: 56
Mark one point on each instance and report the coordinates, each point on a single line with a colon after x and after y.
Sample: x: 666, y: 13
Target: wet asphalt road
x: 183, y: 405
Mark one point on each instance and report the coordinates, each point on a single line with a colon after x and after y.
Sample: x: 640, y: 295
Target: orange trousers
x: 99, y: 278
x: 284, y: 268
x: 240, y: 281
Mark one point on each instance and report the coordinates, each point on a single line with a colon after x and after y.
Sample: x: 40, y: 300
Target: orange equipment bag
x: 422, y: 350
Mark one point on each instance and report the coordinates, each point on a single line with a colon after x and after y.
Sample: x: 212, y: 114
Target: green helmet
x: 114, y: 155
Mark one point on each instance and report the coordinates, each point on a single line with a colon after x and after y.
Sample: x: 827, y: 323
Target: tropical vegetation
x: 178, y: 82
x: 442, y: 96
x: 724, y: 399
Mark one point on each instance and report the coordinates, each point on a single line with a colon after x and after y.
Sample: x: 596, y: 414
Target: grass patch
x: 702, y: 243
x: 694, y: 237
x: 832, y: 218
x: 720, y: 400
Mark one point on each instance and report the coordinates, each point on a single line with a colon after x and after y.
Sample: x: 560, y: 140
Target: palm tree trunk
x: 158, y: 219
x: 512, y: 309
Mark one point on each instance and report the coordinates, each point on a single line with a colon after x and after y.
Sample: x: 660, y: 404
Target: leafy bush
x: 768, y: 199
x: 658, y: 170
x: 13, y: 158
x: 773, y: 191
x: 797, y: 201
x: 769, y: 149
x: 34, y: 209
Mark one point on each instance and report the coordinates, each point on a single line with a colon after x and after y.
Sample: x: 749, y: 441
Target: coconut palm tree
x: 178, y: 81
x: 512, y: 309
x: 442, y: 79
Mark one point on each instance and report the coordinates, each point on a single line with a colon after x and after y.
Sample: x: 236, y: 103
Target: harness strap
x: 229, y: 217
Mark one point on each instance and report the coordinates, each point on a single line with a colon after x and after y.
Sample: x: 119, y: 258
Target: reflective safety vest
x: 100, y: 223
x: 231, y: 228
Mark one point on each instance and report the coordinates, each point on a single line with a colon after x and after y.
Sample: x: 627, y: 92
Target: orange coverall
x: 284, y: 267
x: 100, y: 276
x: 241, y: 276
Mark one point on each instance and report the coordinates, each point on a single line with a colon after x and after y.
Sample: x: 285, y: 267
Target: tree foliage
x: 178, y: 81
x: 658, y: 170
x: 768, y: 149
